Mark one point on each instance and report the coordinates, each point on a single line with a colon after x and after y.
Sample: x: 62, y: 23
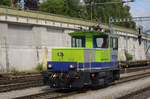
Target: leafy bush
x: 128, y: 56
x: 39, y: 67
x: 5, y: 2
x: 14, y: 71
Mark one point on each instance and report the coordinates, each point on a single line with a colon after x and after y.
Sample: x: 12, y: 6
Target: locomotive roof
x: 88, y: 33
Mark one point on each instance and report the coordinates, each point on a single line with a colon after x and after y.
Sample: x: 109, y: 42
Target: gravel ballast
x: 115, y: 91
x: 111, y: 92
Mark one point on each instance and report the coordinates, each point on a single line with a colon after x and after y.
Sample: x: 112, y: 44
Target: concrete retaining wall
x: 23, y: 46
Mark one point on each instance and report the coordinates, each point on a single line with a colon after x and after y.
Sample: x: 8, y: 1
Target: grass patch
x: 129, y: 57
x: 39, y: 67
x: 14, y: 71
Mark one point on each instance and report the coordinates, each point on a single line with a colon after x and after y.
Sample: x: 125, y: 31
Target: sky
x: 141, y: 8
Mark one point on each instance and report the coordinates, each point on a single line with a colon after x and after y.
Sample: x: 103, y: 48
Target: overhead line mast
x: 120, y: 20
x: 117, y: 20
x: 92, y: 3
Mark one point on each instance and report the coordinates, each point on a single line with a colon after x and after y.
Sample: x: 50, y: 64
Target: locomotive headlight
x: 71, y: 66
x: 49, y: 66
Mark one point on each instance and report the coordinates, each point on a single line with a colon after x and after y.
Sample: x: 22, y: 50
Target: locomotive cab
x: 91, y: 60
x: 89, y: 40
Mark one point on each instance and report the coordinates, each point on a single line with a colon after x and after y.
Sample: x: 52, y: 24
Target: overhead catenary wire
x: 92, y: 3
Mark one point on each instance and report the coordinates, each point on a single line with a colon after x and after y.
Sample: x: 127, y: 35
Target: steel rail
x: 60, y: 94
x: 21, y: 82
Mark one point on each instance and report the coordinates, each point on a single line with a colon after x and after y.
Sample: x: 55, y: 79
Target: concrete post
x: 7, y: 55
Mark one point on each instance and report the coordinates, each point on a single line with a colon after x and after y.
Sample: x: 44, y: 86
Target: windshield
x: 100, y: 42
x: 78, y: 42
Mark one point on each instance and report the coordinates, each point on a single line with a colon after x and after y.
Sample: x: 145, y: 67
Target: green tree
x: 64, y: 7
x: 5, y: 2
x: 53, y: 6
x: 99, y: 12
x: 74, y: 9
x: 105, y: 11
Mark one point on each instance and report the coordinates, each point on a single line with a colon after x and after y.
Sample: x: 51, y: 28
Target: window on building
x: 78, y: 42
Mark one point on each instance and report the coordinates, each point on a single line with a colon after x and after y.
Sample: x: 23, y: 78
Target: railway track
x: 54, y: 94
x: 9, y: 83
x: 19, y: 79
x: 130, y: 64
x: 133, y: 69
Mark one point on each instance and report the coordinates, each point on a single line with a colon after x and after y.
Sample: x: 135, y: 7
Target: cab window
x: 114, y: 43
x: 100, y: 42
x: 78, y: 42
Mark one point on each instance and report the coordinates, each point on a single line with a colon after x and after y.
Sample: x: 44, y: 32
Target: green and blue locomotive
x: 92, y: 61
